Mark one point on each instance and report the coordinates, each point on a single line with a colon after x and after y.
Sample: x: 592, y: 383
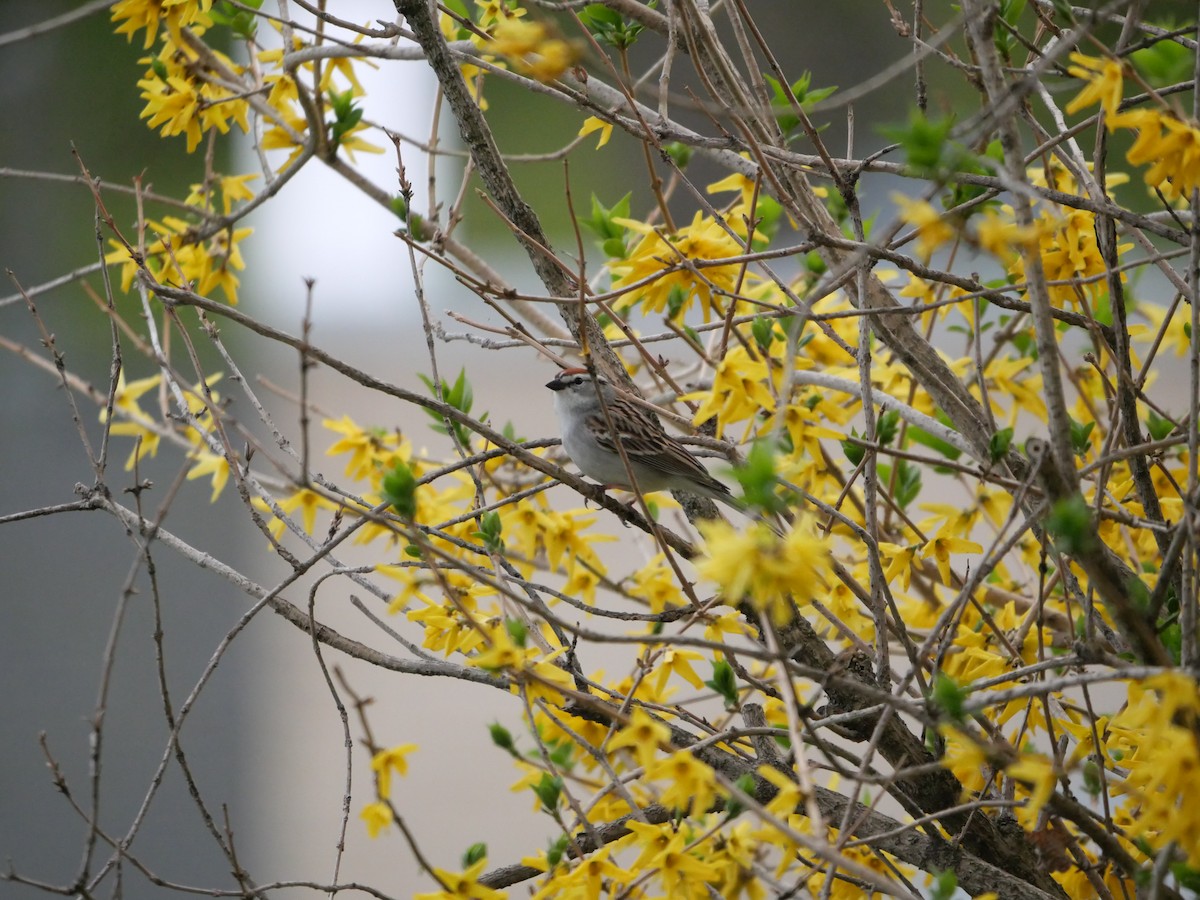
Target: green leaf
x: 516, y: 631
x: 836, y: 204
x: 474, y: 854
x: 1062, y: 9
x: 887, y: 427
x: 925, y: 142
x: 457, y: 396
x: 502, y: 738
x: 1025, y: 343
x: 1005, y: 41
x: 242, y: 22
x: 757, y: 477
x: 607, y: 25
x: 490, y: 529
x: 948, y: 696
x: 856, y: 453
x: 460, y: 396
x: 724, y: 682
x: 548, y: 791
x: 614, y: 248
x: 675, y: 300
x: 1080, y: 432
x: 1139, y: 594
x: 1164, y: 63
x: 805, y: 94
x: 1172, y: 641
x: 933, y: 442
x: 999, y: 443
x: 400, y: 490
x: 1070, y: 524
x: 1188, y: 877
x: 346, y: 115
x: 745, y: 784
x: 681, y: 154
x: 908, y: 483
x: 961, y: 192
x: 768, y: 213
x: 600, y: 222
x: 1157, y: 427
x: 562, y: 754
x: 945, y: 885
x: 556, y: 849
x: 763, y: 330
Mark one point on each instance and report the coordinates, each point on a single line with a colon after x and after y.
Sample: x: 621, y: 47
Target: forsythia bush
x: 951, y: 642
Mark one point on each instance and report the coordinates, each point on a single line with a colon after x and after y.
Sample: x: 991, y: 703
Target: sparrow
x: 657, y: 461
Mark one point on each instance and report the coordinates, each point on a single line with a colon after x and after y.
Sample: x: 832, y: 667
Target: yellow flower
x: 1018, y: 379
x: 691, y: 784
x: 971, y: 660
x: 805, y: 419
x: 377, y: 815
x: 965, y: 757
x: 788, y: 796
x: 739, y: 390
x: 898, y: 563
x: 232, y: 188
x: 999, y: 235
x: 542, y: 678
x: 735, y: 182
x: 214, y: 465
x: 1105, y: 80
x: 655, y: 840
x: 464, y: 886
x: 592, y: 124
x: 206, y: 265
x: 305, y: 500
x: 956, y: 521
x: 932, y: 229
x: 1069, y: 252
x: 655, y: 583
x: 135, y: 423
x: 774, y: 574
x: 502, y: 653
x: 1171, y: 147
x: 1039, y: 772
x: 371, y: 452
x: 531, y: 49
x: 940, y: 549
x: 450, y: 626
x: 677, y: 266
x: 643, y: 735
x: 135, y: 15
x: 291, y: 137
x: 585, y: 880
x: 182, y: 101
x: 385, y: 761
x: 677, y: 660
x: 1156, y: 736
x: 678, y: 869
x: 1175, y: 331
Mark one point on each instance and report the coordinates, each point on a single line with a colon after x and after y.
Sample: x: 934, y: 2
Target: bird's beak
x: 554, y: 384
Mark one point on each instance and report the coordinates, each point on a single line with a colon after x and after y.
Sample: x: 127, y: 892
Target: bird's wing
x: 645, y: 441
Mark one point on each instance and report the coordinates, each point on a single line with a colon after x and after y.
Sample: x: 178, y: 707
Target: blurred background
x: 264, y: 739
